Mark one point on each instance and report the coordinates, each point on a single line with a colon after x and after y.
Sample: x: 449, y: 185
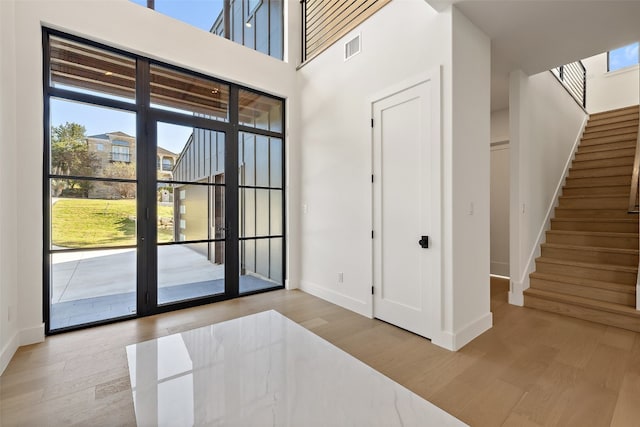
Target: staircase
x: 589, y: 263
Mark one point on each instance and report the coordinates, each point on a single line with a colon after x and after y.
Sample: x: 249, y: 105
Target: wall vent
x: 352, y: 47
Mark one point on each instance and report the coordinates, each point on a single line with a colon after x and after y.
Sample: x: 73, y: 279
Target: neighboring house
x: 118, y: 147
x: 165, y: 164
x: 110, y: 148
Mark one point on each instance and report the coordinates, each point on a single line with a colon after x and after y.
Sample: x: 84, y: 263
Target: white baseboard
x: 290, y: 285
x: 336, y: 298
x: 516, y: 296
x: 464, y: 336
x: 499, y: 268
x: 20, y: 338
x: 8, y: 351
x: 32, y: 335
x: 445, y: 340
x: 473, y: 330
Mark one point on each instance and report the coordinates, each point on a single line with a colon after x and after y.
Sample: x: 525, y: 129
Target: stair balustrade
x: 573, y: 77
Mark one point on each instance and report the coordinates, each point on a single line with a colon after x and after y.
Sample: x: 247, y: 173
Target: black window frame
x: 146, y: 116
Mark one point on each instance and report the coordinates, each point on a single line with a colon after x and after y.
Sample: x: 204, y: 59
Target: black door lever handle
x: 424, y: 242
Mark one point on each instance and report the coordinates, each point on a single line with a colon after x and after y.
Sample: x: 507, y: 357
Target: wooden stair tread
x: 580, y: 281
x: 596, y: 196
x: 608, y: 152
x: 593, y: 233
x: 592, y: 248
x: 629, y: 130
x: 613, y: 113
x: 573, y: 182
x: 605, y: 148
x: 601, y: 171
x: 594, y: 190
x: 625, y: 122
x: 609, y: 143
x: 569, y: 212
x: 591, y: 265
x: 618, y: 188
x: 597, y: 219
x: 602, y: 162
x: 584, y: 302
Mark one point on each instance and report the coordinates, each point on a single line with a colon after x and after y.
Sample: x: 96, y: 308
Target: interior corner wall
x: 500, y: 126
x: 467, y: 269
x: 125, y: 25
x: 500, y: 210
x: 545, y: 126
x: 9, y: 337
x: 610, y: 90
x: 336, y: 157
x: 500, y: 193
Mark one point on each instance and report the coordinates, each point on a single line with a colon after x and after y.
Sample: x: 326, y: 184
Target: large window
x: 256, y: 24
x: 622, y: 57
x: 141, y: 215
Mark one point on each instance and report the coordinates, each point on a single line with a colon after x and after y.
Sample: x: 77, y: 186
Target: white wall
x: 500, y: 192
x: 9, y: 338
x: 500, y: 126
x: 336, y: 198
x: 610, y: 90
x: 500, y: 209
x: 468, y: 271
x: 126, y: 25
x: 545, y: 127
x: 336, y: 159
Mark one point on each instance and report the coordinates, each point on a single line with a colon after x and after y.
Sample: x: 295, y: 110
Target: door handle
x: 424, y: 242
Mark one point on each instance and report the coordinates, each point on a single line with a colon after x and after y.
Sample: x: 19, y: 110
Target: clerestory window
x: 256, y: 24
x: 622, y: 57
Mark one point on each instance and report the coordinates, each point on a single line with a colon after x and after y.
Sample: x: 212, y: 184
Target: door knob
x: 424, y: 242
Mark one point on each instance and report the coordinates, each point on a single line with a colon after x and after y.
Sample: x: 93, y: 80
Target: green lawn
x: 87, y: 223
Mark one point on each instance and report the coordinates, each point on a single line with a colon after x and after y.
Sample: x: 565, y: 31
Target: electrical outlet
x: 340, y: 277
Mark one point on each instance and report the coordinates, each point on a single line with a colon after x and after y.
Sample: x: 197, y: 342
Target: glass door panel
x: 190, y: 213
x: 93, y: 214
x: 260, y: 212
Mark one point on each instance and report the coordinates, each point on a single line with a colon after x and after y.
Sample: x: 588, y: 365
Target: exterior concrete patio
x: 91, y: 286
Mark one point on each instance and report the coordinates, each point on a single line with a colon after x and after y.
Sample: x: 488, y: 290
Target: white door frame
x: 435, y: 292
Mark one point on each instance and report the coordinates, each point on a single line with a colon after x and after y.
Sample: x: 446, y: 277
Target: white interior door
x: 405, y: 197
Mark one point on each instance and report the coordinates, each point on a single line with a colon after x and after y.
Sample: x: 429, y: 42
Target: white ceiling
x: 537, y: 35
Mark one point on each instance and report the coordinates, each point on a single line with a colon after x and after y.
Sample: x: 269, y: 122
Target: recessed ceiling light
x: 214, y: 91
x: 108, y: 73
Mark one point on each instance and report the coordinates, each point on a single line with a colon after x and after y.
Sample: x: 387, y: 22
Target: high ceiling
x: 537, y: 35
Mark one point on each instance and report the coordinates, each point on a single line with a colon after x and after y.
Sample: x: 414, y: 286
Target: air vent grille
x: 352, y: 47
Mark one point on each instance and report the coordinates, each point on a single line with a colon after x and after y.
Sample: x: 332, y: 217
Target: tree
x: 122, y: 170
x: 70, y: 156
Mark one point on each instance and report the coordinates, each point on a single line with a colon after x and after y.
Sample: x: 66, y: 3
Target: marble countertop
x: 265, y: 370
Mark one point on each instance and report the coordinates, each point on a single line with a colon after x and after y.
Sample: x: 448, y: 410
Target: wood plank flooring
x: 532, y: 368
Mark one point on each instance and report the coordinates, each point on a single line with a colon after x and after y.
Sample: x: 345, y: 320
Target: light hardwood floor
x: 531, y: 369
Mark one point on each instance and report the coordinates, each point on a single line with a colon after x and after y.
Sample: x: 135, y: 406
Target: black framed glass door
x: 191, y: 219
x: 163, y: 188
